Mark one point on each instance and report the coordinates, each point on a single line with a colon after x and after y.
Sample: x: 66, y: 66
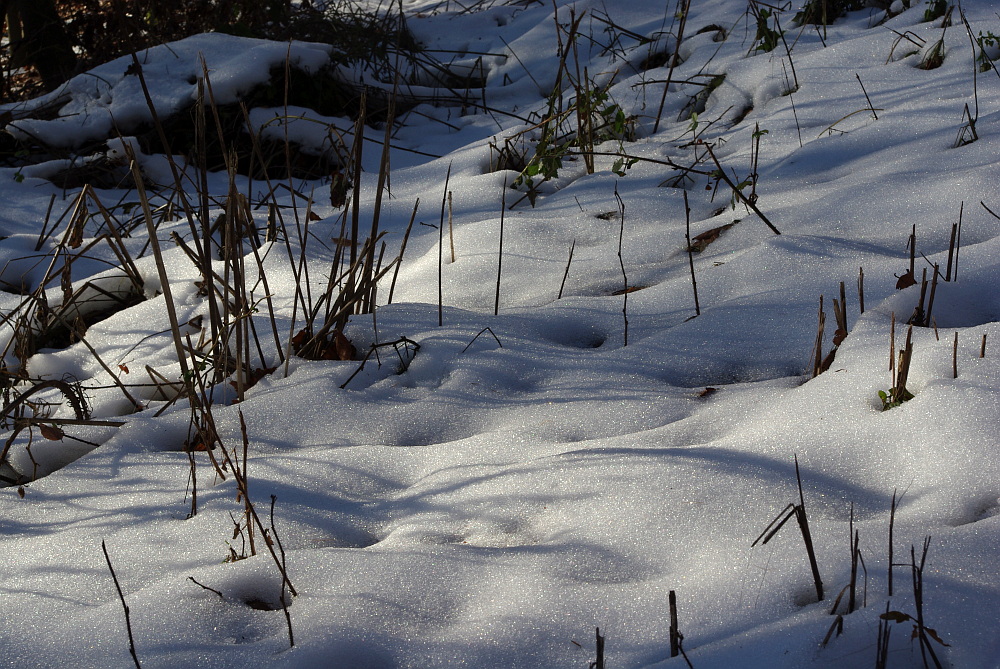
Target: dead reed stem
x: 818, y: 360
x: 503, y: 209
x: 951, y: 244
x: 797, y: 511
x: 402, y: 250
x: 930, y: 299
x: 807, y: 536
x: 674, y: 632
x: 892, y: 349
x: 599, y: 647
x: 161, y: 269
x: 922, y: 631
x: 892, y: 524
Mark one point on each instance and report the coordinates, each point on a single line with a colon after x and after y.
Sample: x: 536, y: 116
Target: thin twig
x: 444, y: 201
x: 721, y: 173
x: 694, y: 281
x: 621, y: 261
x: 566, y: 273
x: 121, y: 595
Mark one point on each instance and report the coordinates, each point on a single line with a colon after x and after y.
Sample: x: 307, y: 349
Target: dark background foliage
x: 47, y: 41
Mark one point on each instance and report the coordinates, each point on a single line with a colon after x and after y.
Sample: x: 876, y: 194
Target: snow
x: 490, y: 499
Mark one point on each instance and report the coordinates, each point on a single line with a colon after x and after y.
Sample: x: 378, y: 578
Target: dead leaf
x: 895, y: 616
x: 345, y: 349
x: 700, y: 242
x: 51, y: 432
x: 905, y: 281
x: 708, y: 391
x: 934, y: 635
x: 123, y: 368
x: 339, y: 187
x: 20, y: 491
x: 300, y: 338
x: 630, y: 289
x: 255, y: 376
x: 839, y: 336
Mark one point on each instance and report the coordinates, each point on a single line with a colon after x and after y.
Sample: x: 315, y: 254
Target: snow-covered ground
x: 489, y: 501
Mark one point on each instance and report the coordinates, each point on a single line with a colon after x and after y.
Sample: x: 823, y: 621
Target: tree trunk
x: 44, y: 41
